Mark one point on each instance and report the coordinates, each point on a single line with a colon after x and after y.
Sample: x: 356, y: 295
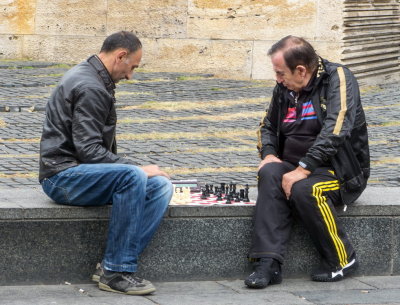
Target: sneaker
x: 97, y: 273
x: 124, y: 282
x: 325, y: 274
x: 267, y: 271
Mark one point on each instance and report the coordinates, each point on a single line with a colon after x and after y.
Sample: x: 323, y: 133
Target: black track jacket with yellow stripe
x: 343, y: 139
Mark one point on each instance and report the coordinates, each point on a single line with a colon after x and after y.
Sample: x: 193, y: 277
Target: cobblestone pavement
x: 371, y: 290
x: 195, y: 126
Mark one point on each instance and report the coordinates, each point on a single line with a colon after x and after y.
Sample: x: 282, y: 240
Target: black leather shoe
x: 267, y: 271
x: 326, y: 274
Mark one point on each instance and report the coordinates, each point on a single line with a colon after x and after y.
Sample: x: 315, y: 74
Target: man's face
x: 125, y: 64
x: 283, y: 75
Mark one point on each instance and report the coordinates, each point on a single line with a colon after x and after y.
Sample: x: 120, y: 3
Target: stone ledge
x: 32, y: 204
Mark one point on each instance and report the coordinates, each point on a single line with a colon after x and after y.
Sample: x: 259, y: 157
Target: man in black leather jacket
x: 79, y: 164
x: 313, y: 145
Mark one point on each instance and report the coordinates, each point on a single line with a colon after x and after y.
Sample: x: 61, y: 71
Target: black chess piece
x: 241, y: 194
x: 246, y: 194
x: 222, y: 186
x: 226, y: 192
x: 207, y: 189
x: 219, y: 196
x: 228, y: 199
x: 211, y: 189
x: 237, y: 197
x: 203, y: 194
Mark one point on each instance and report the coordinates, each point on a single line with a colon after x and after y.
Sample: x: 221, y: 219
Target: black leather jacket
x: 80, y: 120
x: 343, y: 139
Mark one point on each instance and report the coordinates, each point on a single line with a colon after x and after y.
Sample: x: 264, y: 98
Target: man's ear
x: 121, y: 54
x: 302, y: 70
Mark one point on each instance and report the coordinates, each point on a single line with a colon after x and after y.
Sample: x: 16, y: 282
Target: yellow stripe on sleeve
x: 343, y: 102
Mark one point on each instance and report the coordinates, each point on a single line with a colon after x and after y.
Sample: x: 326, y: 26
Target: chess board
x: 195, y: 199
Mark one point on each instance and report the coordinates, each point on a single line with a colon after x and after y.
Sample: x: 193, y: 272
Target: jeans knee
x: 162, y: 184
x: 133, y: 174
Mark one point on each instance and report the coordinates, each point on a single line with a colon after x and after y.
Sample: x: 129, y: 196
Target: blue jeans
x: 138, y: 205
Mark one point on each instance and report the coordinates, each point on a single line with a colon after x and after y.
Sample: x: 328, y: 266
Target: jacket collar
x: 321, y: 72
x: 318, y: 76
x: 98, y: 65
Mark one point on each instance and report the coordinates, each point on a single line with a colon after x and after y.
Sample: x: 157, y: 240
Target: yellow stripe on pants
x: 318, y: 190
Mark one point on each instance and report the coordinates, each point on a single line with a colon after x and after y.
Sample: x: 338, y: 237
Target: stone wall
x: 371, y: 38
x: 224, y: 37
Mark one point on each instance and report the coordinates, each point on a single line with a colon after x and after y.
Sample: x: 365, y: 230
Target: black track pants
x: 312, y: 200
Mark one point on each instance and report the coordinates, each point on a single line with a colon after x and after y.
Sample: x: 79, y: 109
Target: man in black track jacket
x: 313, y: 144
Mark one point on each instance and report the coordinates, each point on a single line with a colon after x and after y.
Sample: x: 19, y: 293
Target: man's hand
x: 269, y: 159
x: 292, y: 177
x: 153, y: 170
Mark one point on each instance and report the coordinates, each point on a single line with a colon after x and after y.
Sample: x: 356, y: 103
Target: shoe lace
x: 130, y: 276
x: 138, y: 279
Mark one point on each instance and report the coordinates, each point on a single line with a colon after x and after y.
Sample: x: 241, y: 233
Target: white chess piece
x: 186, y: 192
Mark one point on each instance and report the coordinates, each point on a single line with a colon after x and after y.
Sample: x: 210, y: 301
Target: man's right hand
x: 269, y: 159
x: 153, y: 170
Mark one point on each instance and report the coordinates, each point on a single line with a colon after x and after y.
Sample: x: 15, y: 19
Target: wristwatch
x: 303, y: 165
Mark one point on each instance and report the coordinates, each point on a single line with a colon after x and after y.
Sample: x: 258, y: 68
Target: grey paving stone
x: 381, y: 296
x: 122, y: 300
x: 305, y: 284
x: 381, y: 282
x: 230, y: 298
x: 191, y: 288
x: 8, y: 293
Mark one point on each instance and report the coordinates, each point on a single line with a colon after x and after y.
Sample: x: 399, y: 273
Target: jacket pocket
x: 348, y: 169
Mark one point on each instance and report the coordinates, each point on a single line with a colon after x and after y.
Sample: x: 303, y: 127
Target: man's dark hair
x: 121, y: 39
x: 296, y: 51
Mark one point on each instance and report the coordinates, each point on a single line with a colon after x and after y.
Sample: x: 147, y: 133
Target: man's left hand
x: 292, y: 177
x: 153, y: 170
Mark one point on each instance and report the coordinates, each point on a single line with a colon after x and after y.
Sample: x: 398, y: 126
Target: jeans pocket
x: 57, y: 193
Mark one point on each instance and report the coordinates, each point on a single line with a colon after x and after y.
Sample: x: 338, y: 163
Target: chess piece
x: 203, y: 194
x: 237, y: 198
x: 246, y: 194
x: 241, y: 194
x: 186, y: 195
